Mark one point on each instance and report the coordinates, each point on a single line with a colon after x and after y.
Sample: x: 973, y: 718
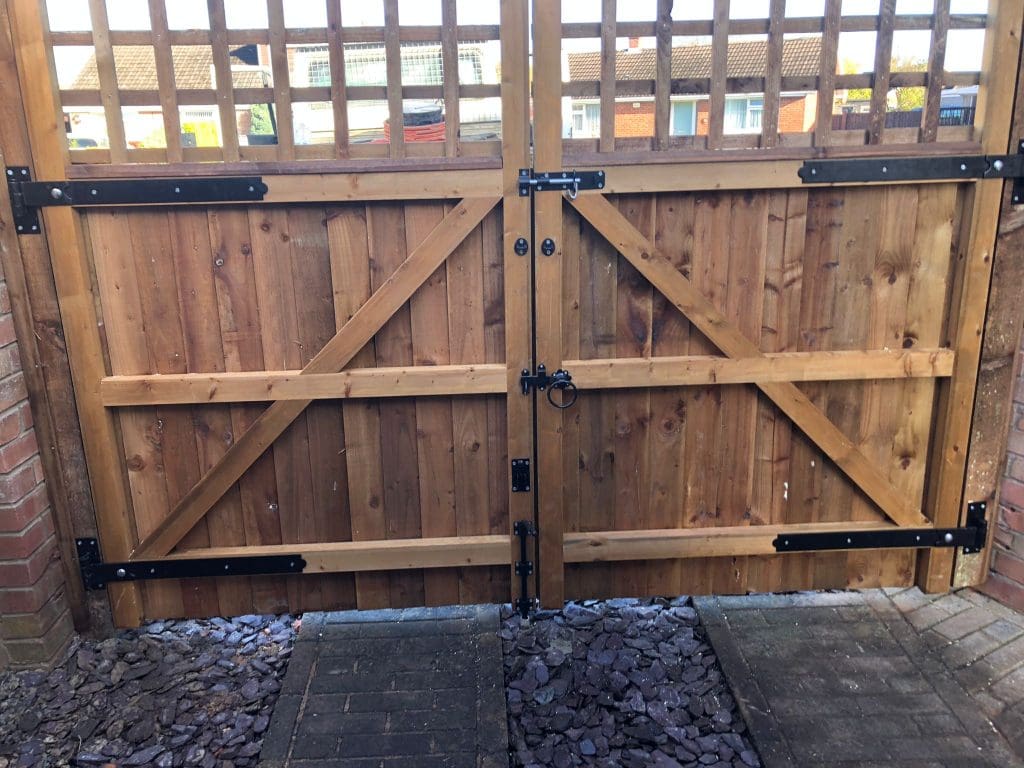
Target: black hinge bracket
x: 96, y: 574
x: 525, y: 604
x: 521, y: 475
x: 26, y: 218
x: 558, y: 181
x: 972, y: 537
x: 27, y: 195
x: 934, y: 168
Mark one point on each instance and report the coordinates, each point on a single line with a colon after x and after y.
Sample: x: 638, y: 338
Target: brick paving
x: 393, y: 689
x: 875, y: 678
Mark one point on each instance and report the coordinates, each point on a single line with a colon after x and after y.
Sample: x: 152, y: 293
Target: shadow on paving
x: 414, y: 688
x: 844, y: 679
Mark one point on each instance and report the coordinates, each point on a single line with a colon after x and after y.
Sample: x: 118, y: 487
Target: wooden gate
x: 332, y: 372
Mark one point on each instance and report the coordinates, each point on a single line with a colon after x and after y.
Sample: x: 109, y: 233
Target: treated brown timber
x: 667, y: 543
x: 381, y: 555
x: 720, y: 331
x: 696, y: 370
x: 256, y: 386
x: 366, y: 322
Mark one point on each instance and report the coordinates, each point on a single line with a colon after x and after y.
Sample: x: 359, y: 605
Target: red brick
x: 1016, y: 442
x: 18, y: 451
x: 10, y: 360
x: 25, y: 573
x: 45, y: 651
x: 12, y: 391
x: 17, y: 546
x: 29, y: 599
x: 14, y: 517
x: 1012, y: 519
x: 10, y: 425
x: 1007, y: 565
x: 5, y: 298
x: 18, y: 484
x: 1015, y: 467
x: 7, y: 334
x: 1012, y: 494
x: 26, y: 415
x: 1005, y: 591
x: 23, y: 626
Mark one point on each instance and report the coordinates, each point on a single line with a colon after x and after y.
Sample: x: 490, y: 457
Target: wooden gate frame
x: 480, y: 186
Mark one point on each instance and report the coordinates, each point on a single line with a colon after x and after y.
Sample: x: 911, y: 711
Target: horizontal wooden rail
x: 258, y: 386
x: 392, y: 554
x: 670, y: 543
x: 782, y: 366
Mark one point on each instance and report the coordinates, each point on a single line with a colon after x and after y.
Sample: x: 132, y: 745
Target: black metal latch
x: 560, y: 380
x: 96, y: 574
x: 27, y: 196
x: 972, y: 537
x: 932, y: 168
x: 524, y: 566
x: 558, y: 181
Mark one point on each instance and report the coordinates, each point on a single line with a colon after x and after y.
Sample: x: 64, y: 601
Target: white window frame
x: 747, y: 129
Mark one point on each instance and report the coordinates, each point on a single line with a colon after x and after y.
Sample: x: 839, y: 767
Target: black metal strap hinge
x: 932, y: 168
x: 558, y: 181
x: 972, y: 537
x: 28, y: 196
x: 524, y: 567
x: 96, y: 574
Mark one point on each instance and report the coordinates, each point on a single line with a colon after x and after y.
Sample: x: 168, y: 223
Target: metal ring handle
x: 567, y: 386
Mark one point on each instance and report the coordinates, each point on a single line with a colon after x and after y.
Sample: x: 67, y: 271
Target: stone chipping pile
x: 171, y: 694
x: 621, y: 682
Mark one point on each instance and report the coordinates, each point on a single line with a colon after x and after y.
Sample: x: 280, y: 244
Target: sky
x: 963, y: 47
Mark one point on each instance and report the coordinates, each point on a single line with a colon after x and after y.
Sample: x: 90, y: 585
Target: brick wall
x: 35, y: 624
x: 636, y: 118
x: 1006, y: 581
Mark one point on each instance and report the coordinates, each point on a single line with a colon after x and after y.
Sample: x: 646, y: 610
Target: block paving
x: 875, y: 678
x: 407, y: 688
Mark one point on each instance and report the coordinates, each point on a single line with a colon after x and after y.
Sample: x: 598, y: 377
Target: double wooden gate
x: 333, y: 373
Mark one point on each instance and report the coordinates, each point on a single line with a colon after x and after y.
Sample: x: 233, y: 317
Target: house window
x: 586, y: 121
x: 684, y: 118
x: 318, y: 72
x: 743, y: 115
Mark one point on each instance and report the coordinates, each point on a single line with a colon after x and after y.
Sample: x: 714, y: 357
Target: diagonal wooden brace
x: 699, y: 310
x: 353, y: 336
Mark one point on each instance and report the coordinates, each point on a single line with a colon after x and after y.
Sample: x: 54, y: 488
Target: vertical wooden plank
x: 719, y: 73
x: 450, y: 69
x: 608, y: 61
x: 350, y: 278
x: 993, y: 117
x: 107, y: 72
x: 515, y: 147
x: 128, y: 347
x: 74, y: 293
x: 399, y: 452
x: 282, y: 81
x: 883, y: 63
x: 547, y: 95
x: 827, y: 72
x: 165, y: 79
x: 434, y: 447
x: 773, y: 75
x: 936, y: 71
x: 339, y: 98
x: 239, y: 325
x: 393, y: 54
x: 663, y: 75
x: 222, y: 75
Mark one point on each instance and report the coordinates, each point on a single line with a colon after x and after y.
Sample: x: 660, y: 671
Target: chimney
x: 634, y: 43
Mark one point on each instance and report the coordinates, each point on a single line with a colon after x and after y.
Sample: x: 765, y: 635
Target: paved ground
x: 416, y: 688
x: 874, y: 678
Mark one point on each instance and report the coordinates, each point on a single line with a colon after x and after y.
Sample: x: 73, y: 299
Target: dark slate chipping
x: 619, y: 683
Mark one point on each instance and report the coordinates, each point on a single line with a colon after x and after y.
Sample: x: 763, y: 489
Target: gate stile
x: 330, y: 368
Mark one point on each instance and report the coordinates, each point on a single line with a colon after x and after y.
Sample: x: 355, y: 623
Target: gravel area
x: 621, y: 682
x: 171, y: 694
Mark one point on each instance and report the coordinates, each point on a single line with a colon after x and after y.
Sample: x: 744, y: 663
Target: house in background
x: 309, y: 66
x: 634, y: 112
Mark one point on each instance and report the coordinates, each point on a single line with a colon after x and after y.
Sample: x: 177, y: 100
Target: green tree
x: 906, y: 97
x: 261, y: 125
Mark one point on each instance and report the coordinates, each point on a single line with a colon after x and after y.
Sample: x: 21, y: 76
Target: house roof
x: 801, y: 56
x: 136, y: 70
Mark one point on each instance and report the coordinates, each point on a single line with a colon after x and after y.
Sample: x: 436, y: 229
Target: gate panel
x: 264, y: 289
